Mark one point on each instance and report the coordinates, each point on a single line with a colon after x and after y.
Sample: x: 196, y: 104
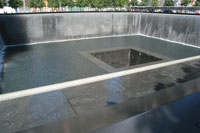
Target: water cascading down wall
x: 33, y: 28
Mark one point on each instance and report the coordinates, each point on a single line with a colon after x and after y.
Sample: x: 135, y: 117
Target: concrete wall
x: 180, y: 28
x: 19, y: 29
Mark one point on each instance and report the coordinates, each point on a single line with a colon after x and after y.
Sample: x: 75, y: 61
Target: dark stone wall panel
x: 179, y: 28
x: 31, y: 28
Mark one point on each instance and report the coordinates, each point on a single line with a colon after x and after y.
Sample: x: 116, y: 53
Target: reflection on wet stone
x: 94, y: 96
x: 190, y: 70
x: 115, y: 91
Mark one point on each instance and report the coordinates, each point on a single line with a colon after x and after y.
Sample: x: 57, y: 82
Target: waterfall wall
x: 1, y: 61
x: 31, y: 28
x: 1, y: 43
x: 179, y: 28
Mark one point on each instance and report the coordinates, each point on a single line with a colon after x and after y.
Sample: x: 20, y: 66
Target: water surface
x: 44, y: 64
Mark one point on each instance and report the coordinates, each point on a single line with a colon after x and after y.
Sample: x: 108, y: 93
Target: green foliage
x: 53, y: 3
x: 1, y: 3
x: 100, y: 4
x: 108, y: 3
x: 186, y: 2
x: 197, y: 3
x: 154, y: 3
x: 69, y: 3
x: 94, y: 3
x: 36, y: 4
x: 15, y: 3
x: 80, y: 3
x: 114, y: 3
x: 169, y: 3
x: 85, y: 3
x: 64, y: 2
x: 121, y: 3
x: 143, y: 3
x: 133, y: 3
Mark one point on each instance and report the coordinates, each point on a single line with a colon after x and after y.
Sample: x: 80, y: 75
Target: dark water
x: 124, y: 58
x: 44, y: 64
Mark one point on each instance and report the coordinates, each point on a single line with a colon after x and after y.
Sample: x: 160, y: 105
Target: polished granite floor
x: 36, y: 110
x: 175, y: 109
x: 44, y: 64
x: 181, y: 116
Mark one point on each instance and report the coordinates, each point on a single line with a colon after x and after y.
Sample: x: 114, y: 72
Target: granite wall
x: 179, y: 28
x: 1, y: 42
x: 30, y: 28
x: 1, y: 60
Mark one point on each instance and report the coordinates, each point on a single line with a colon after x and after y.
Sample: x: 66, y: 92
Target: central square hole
x: 124, y: 57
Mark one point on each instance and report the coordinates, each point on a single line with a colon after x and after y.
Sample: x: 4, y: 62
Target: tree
x: 186, y: 2
x: 15, y: 3
x: 107, y: 3
x: 87, y: 3
x: 80, y: 3
x: 197, y: 3
x: 90, y: 3
x: 99, y: 4
x: 143, y: 3
x: 94, y: 3
x: 41, y: 4
x: 169, y: 3
x: 32, y: 3
x: 1, y: 3
x: 36, y: 4
x: 121, y: 3
x: 154, y: 3
x: 70, y: 3
x: 64, y: 2
x: 114, y: 3
x: 133, y: 3
x: 53, y: 3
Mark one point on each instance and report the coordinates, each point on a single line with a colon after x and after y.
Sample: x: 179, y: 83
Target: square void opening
x: 121, y: 58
